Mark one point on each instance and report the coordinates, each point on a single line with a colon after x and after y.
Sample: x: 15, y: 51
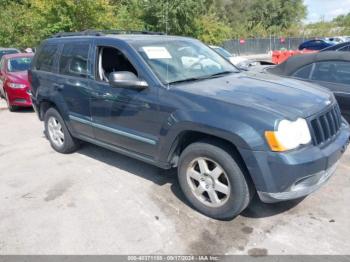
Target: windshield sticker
x: 157, y: 52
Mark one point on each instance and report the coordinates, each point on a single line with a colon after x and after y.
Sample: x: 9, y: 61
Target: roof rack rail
x: 117, y: 32
x: 104, y: 32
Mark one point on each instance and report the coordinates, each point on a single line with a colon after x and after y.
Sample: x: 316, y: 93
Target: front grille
x: 326, y: 126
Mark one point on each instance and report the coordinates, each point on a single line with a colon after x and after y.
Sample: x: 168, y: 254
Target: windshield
x: 183, y: 60
x: 19, y: 64
x: 6, y: 52
x: 222, y: 52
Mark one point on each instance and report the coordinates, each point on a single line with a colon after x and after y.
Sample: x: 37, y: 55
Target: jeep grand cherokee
x: 175, y: 103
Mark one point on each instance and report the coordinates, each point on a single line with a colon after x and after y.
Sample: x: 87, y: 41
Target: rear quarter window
x: 46, y: 58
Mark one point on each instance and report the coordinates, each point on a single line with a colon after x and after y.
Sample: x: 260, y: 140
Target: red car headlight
x: 16, y: 86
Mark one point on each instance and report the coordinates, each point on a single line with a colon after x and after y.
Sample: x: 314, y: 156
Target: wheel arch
x: 186, y: 138
x: 45, y: 105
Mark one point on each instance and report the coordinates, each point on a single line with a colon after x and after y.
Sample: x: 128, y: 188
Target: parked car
x: 338, y: 39
x: 228, y: 133
x: 235, y: 60
x: 316, y: 44
x: 5, y: 51
x: 328, y: 69
x: 339, y: 47
x: 14, y: 85
x: 239, y: 61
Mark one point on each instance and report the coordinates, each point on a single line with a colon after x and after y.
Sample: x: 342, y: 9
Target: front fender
x: 233, y: 129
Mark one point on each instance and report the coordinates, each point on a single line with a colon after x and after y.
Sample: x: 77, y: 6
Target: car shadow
x: 256, y: 209
x: 130, y: 165
x: 24, y: 110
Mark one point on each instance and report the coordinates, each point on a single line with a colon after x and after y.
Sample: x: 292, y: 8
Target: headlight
x: 289, y: 135
x: 17, y: 86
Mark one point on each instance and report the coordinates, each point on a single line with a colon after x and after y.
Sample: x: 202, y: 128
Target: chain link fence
x: 254, y: 46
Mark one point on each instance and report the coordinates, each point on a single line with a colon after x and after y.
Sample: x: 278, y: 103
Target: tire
x: 9, y: 106
x: 229, y: 201
x: 57, y: 133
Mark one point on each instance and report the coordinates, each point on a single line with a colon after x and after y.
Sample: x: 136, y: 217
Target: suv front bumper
x: 295, y: 174
x: 300, y: 188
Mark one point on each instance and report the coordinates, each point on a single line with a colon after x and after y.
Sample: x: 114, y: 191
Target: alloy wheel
x: 55, y: 131
x: 208, y: 181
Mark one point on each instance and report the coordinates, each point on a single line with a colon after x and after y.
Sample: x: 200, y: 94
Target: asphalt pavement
x: 96, y: 201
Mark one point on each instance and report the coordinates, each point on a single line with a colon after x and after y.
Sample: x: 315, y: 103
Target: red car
x: 14, y: 85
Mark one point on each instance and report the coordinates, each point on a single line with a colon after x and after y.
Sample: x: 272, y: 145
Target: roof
x: 295, y: 62
x: 18, y: 55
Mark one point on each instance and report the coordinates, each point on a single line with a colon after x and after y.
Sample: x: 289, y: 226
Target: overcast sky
x: 326, y: 8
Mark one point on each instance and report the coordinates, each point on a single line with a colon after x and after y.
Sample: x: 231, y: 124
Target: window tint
x: 346, y: 48
x: 46, y: 58
x: 74, y: 60
x: 332, y: 71
x: 303, y: 72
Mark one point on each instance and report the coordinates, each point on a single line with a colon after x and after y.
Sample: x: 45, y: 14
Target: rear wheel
x: 212, y: 181
x: 58, y: 134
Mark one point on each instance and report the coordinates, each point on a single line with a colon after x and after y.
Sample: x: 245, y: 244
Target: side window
x: 1, y: 64
x: 111, y: 60
x: 74, y: 60
x: 303, y: 72
x: 345, y: 48
x: 46, y: 58
x: 333, y: 72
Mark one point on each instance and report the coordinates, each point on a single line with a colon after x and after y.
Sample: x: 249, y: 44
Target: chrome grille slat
x: 333, y: 113
x: 326, y: 125
x: 331, y: 123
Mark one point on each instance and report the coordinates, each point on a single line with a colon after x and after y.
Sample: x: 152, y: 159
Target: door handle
x: 58, y: 87
x: 104, y: 95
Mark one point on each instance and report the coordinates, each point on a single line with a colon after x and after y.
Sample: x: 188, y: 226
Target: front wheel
x: 58, y: 134
x: 212, y: 181
x: 10, y: 107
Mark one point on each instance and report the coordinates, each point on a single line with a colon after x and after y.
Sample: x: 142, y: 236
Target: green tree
x: 211, y: 30
x: 175, y: 17
x: 26, y: 22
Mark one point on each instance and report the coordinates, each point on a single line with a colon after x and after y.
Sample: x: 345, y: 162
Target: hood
x: 285, y: 97
x: 19, y: 77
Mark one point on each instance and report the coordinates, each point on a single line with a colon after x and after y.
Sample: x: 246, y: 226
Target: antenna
x: 166, y: 32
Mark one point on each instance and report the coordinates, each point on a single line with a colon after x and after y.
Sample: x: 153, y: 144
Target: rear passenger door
x: 73, y: 85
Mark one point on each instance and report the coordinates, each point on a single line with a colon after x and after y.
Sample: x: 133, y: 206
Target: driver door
x: 125, y: 118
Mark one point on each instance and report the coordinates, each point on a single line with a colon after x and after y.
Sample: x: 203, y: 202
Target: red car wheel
x: 9, y: 106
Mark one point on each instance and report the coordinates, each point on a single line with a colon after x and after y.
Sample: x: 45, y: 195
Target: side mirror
x: 125, y: 79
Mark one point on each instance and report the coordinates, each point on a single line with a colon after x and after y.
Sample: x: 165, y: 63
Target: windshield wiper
x: 222, y: 73
x: 192, y: 79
